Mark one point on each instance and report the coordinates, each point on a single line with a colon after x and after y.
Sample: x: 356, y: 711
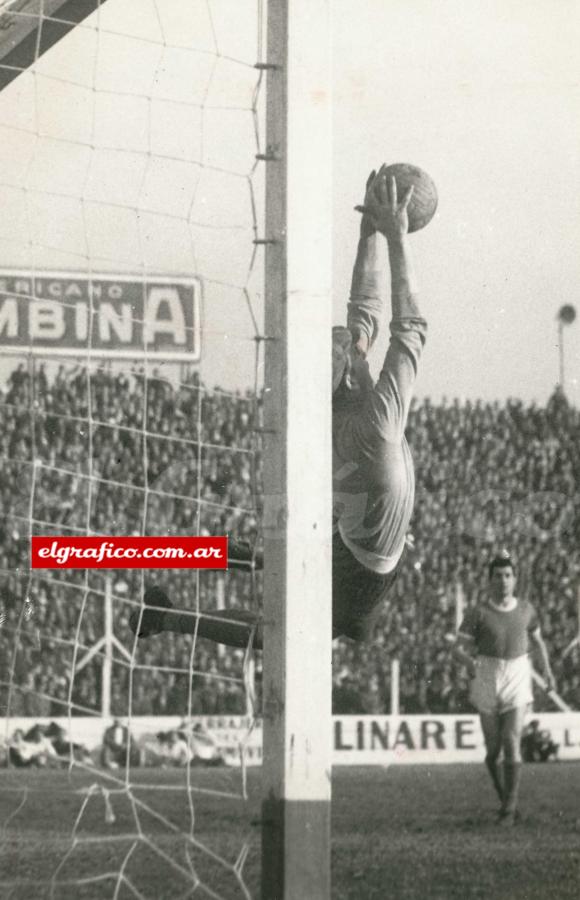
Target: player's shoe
x: 507, y: 818
x: 241, y: 555
x: 146, y: 622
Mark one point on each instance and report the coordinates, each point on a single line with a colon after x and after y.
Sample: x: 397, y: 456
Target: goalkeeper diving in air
x: 373, y: 477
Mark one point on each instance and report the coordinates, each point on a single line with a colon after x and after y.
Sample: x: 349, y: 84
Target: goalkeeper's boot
x: 148, y: 620
x: 241, y: 555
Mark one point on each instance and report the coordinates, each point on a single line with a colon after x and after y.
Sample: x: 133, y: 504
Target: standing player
x: 373, y: 478
x: 494, y: 642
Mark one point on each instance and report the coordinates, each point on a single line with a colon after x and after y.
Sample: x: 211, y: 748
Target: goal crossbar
x: 28, y: 29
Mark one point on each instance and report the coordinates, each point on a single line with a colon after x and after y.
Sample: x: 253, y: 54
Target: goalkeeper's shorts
x: 501, y: 684
x: 358, y: 594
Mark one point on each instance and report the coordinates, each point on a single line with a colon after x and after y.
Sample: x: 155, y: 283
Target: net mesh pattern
x: 131, y: 150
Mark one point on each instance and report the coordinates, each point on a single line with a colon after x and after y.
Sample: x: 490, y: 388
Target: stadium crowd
x: 48, y: 745
x: 120, y: 453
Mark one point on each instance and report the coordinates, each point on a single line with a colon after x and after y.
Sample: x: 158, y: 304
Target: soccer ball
x: 423, y: 203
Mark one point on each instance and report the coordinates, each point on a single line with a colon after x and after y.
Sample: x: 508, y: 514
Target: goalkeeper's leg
x: 236, y: 628
x: 241, y: 555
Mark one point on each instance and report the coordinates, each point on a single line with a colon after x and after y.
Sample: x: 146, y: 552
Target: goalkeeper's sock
x: 233, y: 627
x: 512, y: 771
x: 494, y: 770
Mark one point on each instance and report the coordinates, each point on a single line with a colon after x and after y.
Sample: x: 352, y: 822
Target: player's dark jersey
x: 502, y: 634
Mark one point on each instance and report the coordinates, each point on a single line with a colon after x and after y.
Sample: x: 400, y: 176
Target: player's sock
x: 512, y: 773
x: 494, y: 770
x: 232, y: 627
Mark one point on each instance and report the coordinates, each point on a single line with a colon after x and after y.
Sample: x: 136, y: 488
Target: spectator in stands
x: 347, y: 698
x: 65, y: 749
x: 177, y: 752
x: 488, y: 475
x: 537, y: 743
x: 203, y: 745
x: 119, y: 748
x: 31, y: 749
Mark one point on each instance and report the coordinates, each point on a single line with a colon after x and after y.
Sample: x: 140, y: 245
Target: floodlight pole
x: 395, y: 687
x: 566, y: 316
x: 297, y: 456
x: 561, y: 351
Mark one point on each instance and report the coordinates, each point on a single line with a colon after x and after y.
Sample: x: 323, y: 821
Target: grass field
x: 402, y: 832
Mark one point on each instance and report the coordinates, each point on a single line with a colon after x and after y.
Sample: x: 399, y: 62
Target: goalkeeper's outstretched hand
x: 383, y: 208
x: 146, y: 622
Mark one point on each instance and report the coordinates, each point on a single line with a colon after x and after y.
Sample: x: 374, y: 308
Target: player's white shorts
x: 501, y: 684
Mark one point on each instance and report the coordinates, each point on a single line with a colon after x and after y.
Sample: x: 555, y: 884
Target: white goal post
x: 297, y: 456
x: 157, y: 168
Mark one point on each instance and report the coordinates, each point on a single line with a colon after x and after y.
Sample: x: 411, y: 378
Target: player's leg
x: 514, y: 697
x: 483, y: 695
x: 241, y: 555
x: 491, y: 727
x: 512, y: 725
x: 236, y: 628
x: 358, y: 595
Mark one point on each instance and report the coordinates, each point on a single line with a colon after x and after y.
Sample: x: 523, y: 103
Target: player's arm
x: 368, y: 287
x: 391, y: 398
x: 386, y: 212
x: 465, y: 647
x: 464, y: 652
x: 540, y: 651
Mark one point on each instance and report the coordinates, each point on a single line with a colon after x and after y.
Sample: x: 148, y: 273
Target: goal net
x: 131, y: 189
